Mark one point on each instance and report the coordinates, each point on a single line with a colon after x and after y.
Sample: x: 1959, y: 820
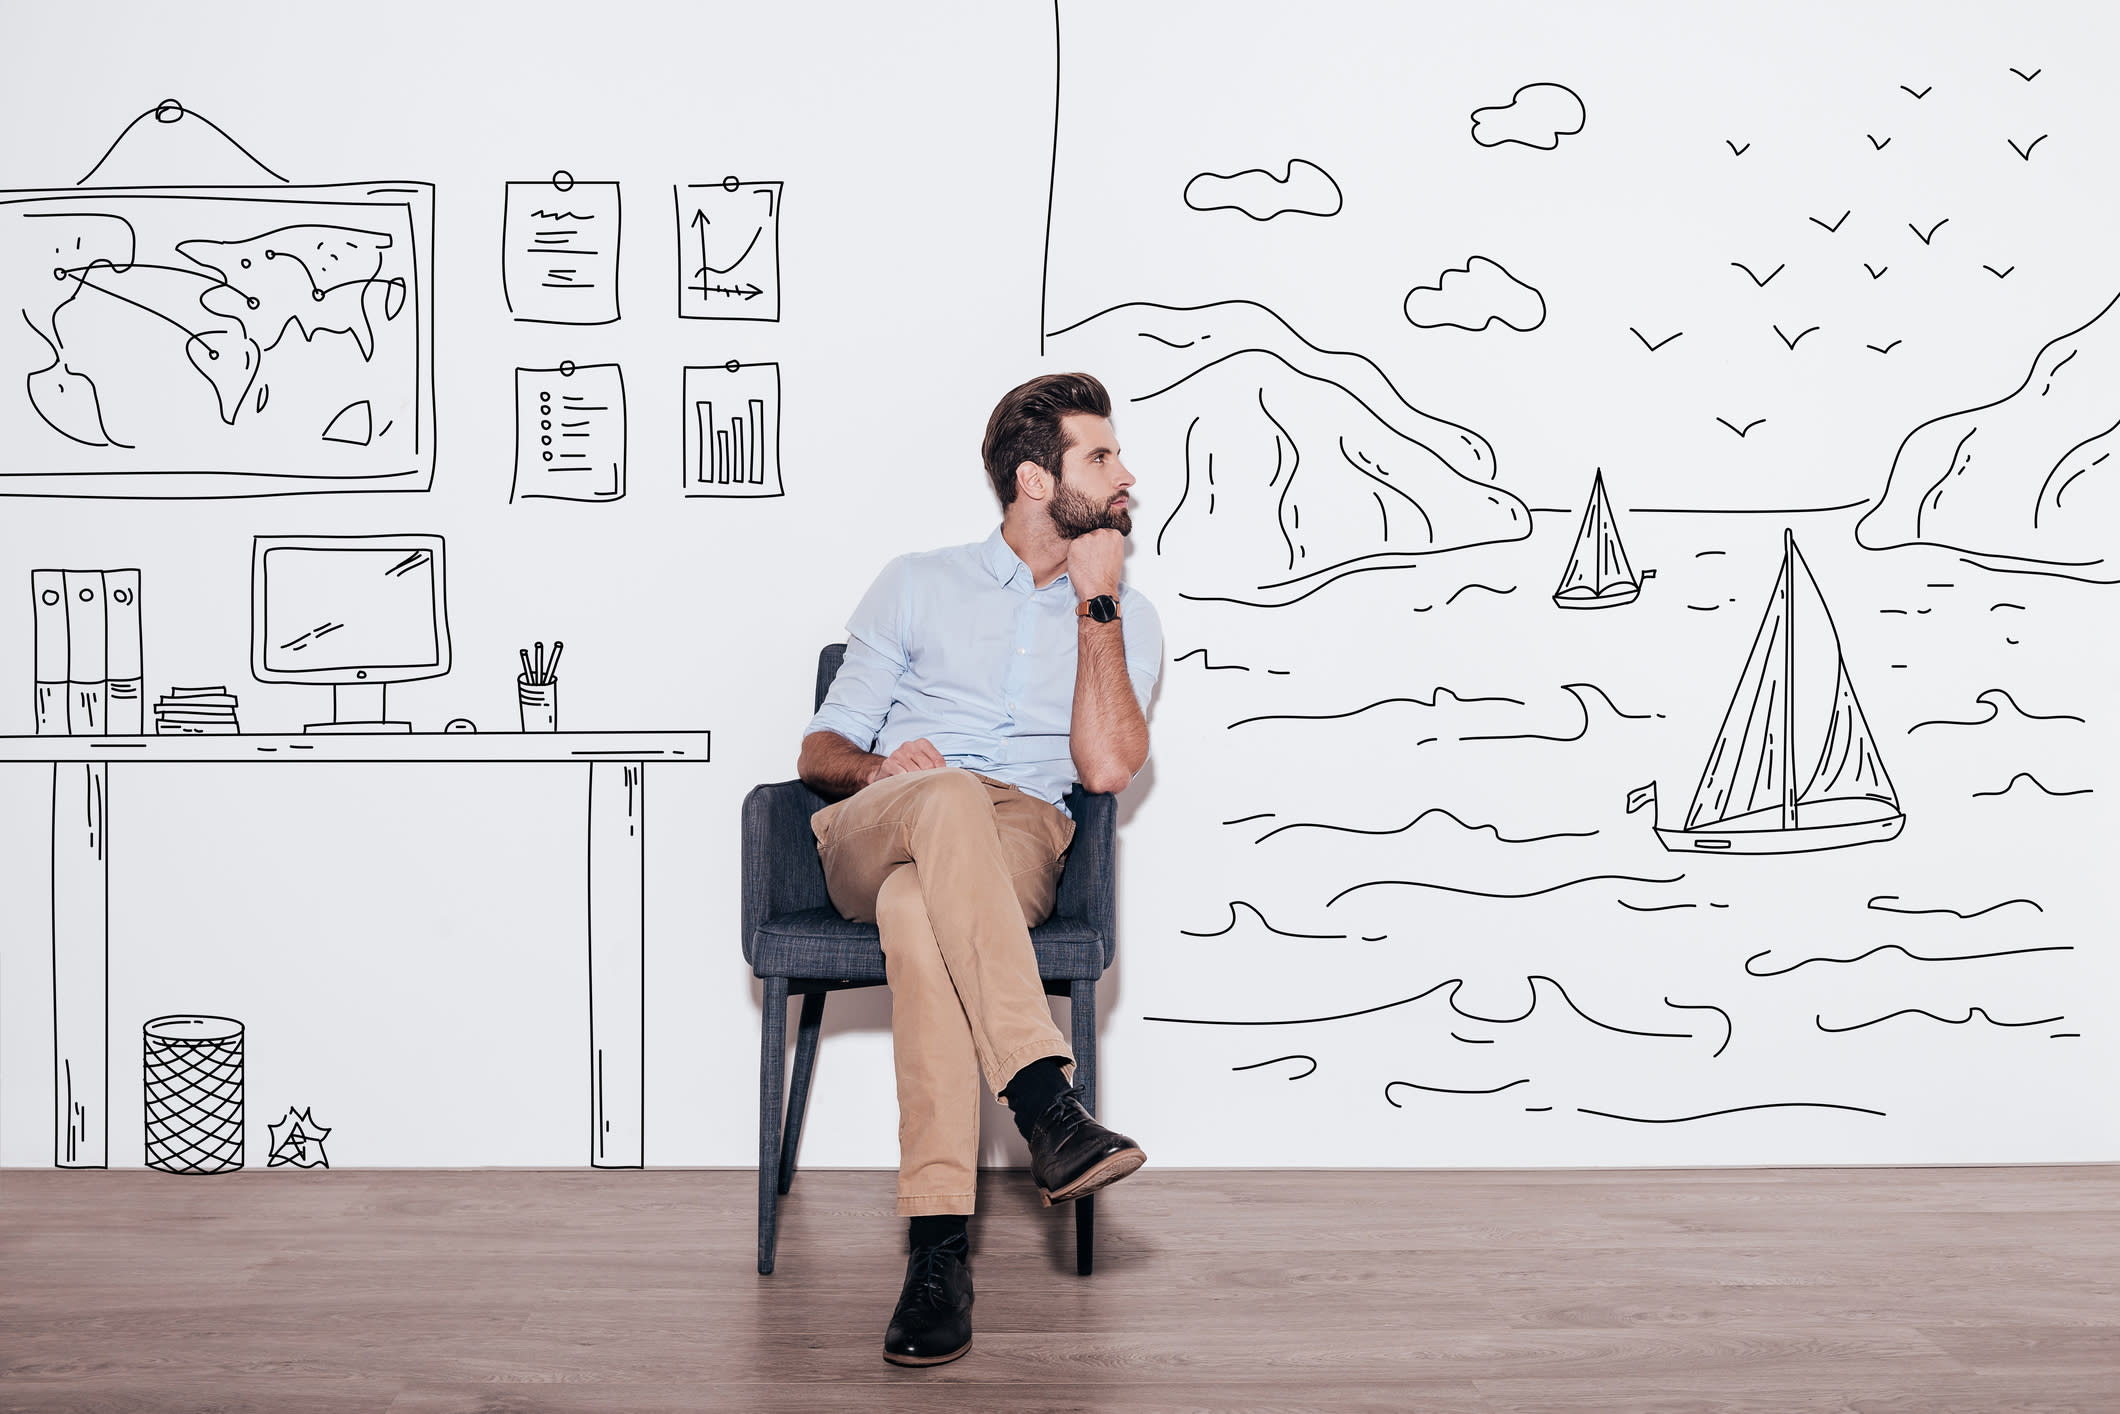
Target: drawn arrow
x: 1757, y: 280
x: 1652, y: 348
x: 701, y: 222
x: 2026, y: 152
x: 1792, y: 343
x: 1931, y: 233
x: 1835, y: 227
x: 1735, y: 150
x: 1888, y: 347
x: 1876, y: 271
x: 1923, y: 94
x: 1740, y: 431
x: 1998, y: 274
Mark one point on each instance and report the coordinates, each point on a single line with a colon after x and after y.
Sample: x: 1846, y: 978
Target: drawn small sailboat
x: 1598, y: 575
x: 1754, y: 797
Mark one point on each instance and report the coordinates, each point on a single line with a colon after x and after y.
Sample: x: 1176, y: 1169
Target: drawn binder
x: 124, y: 705
x: 47, y: 590
x: 87, y: 653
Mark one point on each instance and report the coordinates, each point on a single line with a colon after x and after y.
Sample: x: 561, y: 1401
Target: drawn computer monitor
x: 357, y: 612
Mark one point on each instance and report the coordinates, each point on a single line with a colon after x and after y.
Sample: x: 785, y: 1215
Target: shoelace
x: 926, y: 1276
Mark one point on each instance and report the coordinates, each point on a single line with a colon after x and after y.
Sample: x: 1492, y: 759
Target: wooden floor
x: 1915, y: 1290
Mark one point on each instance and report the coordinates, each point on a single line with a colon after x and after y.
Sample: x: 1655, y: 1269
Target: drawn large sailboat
x: 1795, y: 767
x: 1598, y: 575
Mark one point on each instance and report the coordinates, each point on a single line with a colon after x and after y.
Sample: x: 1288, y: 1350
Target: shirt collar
x: 1004, y: 564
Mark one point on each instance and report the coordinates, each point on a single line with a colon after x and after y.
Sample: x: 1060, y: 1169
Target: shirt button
x: 1019, y: 650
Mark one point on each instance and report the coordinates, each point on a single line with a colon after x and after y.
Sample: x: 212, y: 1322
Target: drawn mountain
x: 2031, y: 476
x: 1300, y: 464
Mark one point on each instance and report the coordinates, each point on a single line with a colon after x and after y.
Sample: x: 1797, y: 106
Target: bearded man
x: 980, y: 682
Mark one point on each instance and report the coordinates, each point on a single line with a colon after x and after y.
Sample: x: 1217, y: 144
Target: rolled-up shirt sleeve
x: 1144, y: 644
x: 866, y: 688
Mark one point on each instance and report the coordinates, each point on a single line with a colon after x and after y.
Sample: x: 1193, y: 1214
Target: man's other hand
x: 1095, y: 562
x: 919, y: 754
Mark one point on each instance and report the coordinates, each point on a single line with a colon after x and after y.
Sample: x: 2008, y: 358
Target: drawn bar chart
x: 732, y: 430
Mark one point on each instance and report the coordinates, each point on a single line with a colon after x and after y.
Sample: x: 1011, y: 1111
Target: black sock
x: 939, y: 1227
x: 1035, y: 1087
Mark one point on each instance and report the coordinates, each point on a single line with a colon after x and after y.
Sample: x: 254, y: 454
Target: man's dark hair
x: 1026, y: 426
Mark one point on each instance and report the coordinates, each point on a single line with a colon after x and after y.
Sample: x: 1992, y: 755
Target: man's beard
x: 1075, y: 515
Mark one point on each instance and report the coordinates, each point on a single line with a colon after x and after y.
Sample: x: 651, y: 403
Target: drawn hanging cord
x: 170, y: 112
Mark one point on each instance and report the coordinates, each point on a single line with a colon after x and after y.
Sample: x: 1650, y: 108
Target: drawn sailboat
x: 1795, y: 767
x: 1598, y: 575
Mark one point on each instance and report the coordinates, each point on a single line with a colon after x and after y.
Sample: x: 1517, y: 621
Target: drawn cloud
x: 1302, y: 465
x: 1303, y: 189
x: 1473, y: 296
x: 1540, y: 115
x: 2031, y: 476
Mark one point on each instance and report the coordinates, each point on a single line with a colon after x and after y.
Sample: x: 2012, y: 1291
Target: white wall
x: 404, y: 945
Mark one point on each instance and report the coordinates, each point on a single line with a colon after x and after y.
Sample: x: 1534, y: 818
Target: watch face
x: 1104, y: 608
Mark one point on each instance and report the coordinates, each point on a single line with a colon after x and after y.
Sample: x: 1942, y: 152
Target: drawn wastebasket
x: 194, y: 1075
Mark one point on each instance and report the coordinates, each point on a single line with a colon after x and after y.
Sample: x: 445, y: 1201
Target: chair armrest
x: 781, y: 870
x: 1089, y: 883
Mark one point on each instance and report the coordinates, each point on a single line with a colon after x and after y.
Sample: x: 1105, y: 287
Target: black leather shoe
x: 933, y: 1322
x: 1072, y: 1156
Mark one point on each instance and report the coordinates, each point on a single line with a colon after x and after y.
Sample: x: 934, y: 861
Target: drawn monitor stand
x: 559, y: 251
x: 1794, y: 709
x: 732, y: 430
x: 728, y: 250
x: 355, y: 612
x: 570, y: 433
x: 219, y: 340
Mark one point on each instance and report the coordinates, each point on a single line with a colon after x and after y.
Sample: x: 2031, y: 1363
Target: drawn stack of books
x: 87, y: 652
x: 196, y: 711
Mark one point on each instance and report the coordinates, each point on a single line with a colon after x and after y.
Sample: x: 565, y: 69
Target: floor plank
x: 1882, y: 1291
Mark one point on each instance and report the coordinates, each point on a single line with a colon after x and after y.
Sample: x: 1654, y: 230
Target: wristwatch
x: 1103, y: 608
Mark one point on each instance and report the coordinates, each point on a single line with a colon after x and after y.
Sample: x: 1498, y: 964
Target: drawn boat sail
x: 1795, y: 766
x: 1598, y: 575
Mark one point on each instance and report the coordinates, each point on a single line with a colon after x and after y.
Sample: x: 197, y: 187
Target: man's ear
x: 1033, y: 480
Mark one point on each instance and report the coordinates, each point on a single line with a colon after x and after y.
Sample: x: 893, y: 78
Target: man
x: 988, y: 677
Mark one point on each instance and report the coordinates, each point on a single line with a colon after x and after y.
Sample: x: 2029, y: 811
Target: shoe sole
x: 917, y: 1360
x: 1100, y: 1175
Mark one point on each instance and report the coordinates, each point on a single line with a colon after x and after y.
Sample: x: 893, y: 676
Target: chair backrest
x: 828, y: 662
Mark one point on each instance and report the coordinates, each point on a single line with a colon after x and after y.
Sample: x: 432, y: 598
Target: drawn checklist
x: 559, y: 251
x: 570, y: 433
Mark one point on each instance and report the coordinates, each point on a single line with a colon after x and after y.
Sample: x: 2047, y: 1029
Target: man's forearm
x: 833, y: 766
x: 1108, y: 736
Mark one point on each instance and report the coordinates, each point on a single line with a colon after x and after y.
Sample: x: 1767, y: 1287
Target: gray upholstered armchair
x: 798, y: 944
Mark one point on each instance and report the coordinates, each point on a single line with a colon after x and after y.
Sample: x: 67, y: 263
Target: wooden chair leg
x: 772, y: 1076
x: 1082, y: 1021
x: 806, y: 1032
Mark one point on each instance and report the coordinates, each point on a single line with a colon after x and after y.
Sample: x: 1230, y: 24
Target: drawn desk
x: 80, y: 896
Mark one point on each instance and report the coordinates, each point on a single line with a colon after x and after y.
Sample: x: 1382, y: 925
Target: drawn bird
x: 1740, y: 431
x: 1886, y: 348
x: 1835, y: 227
x: 2026, y: 152
x: 1735, y: 150
x: 1923, y: 94
x: 1760, y: 280
x: 1792, y: 343
x: 1652, y: 348
x: 1930, y: 234
x: 2027, y: 77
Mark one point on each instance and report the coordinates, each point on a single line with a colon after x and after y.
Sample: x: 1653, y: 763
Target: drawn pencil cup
x: 192, y: 1070
x: 539, y: 700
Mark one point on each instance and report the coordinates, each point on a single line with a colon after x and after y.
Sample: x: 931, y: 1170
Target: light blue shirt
x: 960, y: 647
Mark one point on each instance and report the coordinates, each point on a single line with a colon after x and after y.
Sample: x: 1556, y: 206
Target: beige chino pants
x: 954, y: 868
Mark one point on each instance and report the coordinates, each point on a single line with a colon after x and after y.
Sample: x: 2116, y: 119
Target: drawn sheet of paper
x: 570, y: 433
x: 728, y: 250
x: 732, y: 430
x: 559, y: 251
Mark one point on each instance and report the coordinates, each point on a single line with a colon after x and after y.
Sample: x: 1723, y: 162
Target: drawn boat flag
x: 1795, y: 766
x: 1641, y: 796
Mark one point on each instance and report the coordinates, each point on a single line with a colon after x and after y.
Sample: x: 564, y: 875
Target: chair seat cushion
x: 819, y: 943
